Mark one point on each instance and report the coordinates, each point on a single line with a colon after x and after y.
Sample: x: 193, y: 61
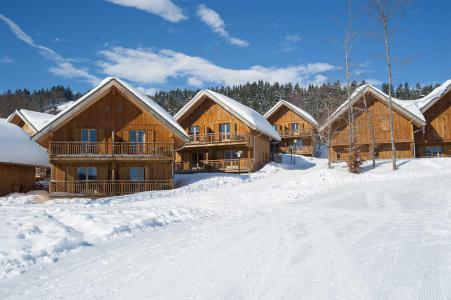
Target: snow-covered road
x: 302, y: 233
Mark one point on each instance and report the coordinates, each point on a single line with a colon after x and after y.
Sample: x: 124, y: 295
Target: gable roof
x: 302, y: 113
x: 148, y: 104
x: 427, y: 101
x: 246, y: 114
x: 407, y: 108
x: 18, y: 148
x: 36, y: 120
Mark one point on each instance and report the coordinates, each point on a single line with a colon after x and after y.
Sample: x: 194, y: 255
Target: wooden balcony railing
x: 102, y: 188
x: 297, y: 150
x: 110, y: 149
x: 218, y: 138
x: 295, y: 133
x: 212, y: 165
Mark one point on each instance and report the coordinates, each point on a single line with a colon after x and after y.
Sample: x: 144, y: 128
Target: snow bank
x: 41, y: 233
x: 17, y: 147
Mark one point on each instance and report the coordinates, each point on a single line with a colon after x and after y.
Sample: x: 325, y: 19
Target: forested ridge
x: 260, y: 96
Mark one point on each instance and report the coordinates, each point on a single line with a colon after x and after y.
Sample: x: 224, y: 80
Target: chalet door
x: 137, y: 140
x: 136, y: 176
x: 294, y: 128
x: 224, y: 131
x: 197, y: 159
x: 195, y: 133
x: 86, y: 183
x: 89, y: 140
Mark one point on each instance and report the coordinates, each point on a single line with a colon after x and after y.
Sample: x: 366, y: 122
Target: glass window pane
x: 294, y: 127
x: 92, y: 173
x: 93, y: 135
x: 224, y: 128
x: 141, y: 135
x: 81, y: 173
x: 84, y: 135
x: 132, y: 136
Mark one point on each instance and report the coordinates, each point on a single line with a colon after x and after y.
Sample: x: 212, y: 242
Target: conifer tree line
x: 260, y: 96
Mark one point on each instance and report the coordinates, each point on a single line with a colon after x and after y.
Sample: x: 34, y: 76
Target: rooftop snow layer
x: 37, y: 119
x: 293, y: 107
x: 17, y: 147
x: 253, y: 119
x: 437, y: 93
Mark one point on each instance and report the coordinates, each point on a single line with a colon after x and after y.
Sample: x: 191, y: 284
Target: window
x: 230, y: 154
x: 137, y: 173
x: 86, y: 173
x: 433, y: 151
x: 137, y: 139
x: 89, y: 135
x: 297, y: 144
x: 276, y: 127
x: 137, y: 136
x: 195, y: 131
x: 224, y: 130
x: 294, y: 127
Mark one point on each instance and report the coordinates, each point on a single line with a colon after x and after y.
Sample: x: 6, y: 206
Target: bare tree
x: 371, y: 129
x: 384, y: 11
x: 328, y: 133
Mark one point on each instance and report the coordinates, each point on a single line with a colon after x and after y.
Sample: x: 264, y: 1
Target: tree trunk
x: 388, y: 59
x: 371, y: 129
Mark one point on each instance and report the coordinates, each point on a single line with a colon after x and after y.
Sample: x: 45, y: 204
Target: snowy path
x: 359, y: 238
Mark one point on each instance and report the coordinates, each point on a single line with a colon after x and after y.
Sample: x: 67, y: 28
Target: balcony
x: 228, y: 138
x: 105, y: 188
x: 300, y: 150
x: 288, y: 133
x: 214, y: 165
x: 110, y: 150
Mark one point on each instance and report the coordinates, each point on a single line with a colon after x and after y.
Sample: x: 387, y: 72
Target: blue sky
x: 165, y: 44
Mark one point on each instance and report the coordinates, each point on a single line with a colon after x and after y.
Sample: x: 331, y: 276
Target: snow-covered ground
x: 286, y: 232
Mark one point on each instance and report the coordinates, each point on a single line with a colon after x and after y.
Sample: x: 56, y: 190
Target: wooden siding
x: 283, y: 118
x: 208, y: 115
x: 16, y: 178
x: 112, y: 115
x: 17, y: 120
x: 438, y: 128
x: 403, y: 131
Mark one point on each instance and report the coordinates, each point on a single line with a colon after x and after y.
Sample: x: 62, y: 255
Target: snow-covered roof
x: 427, y: 101
x: 36, y: 120
x: 105, y: 84
x: 249, y: 116
x: 406, y: 107
x: 18, y: 148
x: 302, y: 113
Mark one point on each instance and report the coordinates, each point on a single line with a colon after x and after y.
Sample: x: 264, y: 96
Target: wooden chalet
x: 111, y: 141
x: 435, y: 139
x: 19, y: 156
x: 406, y: 116
x: 31, y: 122
x: 296, y: 127
x: 224, y: 135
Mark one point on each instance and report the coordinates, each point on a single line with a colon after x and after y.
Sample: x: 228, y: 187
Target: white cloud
x: 164, y: 8
x: 63, y: 65
x: 147, y: 66
x: 289, y: 41
x: 6, y: 60
x: 213, y: 20
x: 375, y: 82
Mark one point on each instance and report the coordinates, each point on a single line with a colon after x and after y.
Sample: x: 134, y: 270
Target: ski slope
x: 286, y: 232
